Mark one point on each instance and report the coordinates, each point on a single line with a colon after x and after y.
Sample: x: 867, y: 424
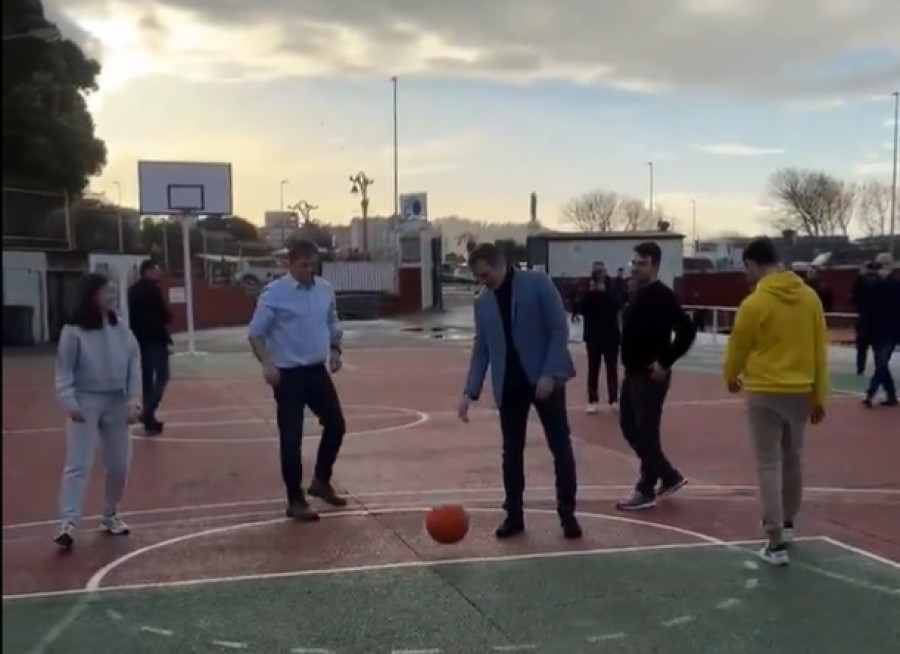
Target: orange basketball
x: 447, y: 524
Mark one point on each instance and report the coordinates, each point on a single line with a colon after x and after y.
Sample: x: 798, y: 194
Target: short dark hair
x: 87, y: 314
x: 762, y: 251
x: 302, y: 249
x: 487, y: 253
x: 649, y: 249
x: 147, y: 265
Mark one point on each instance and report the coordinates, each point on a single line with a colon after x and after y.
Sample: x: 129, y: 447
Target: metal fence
x: 36, y: 219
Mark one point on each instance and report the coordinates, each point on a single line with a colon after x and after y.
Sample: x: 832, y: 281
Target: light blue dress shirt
x: 298, y: 323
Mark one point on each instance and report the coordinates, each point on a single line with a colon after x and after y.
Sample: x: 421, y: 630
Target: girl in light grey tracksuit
x: 98, y: 377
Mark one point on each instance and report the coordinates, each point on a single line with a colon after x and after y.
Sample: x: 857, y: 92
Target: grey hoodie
x: 97, y: 361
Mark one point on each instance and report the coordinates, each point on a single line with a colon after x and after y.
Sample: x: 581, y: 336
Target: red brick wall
x: 214, y: 306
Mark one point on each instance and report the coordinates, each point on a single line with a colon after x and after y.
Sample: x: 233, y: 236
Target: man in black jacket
x: 862, y: 297
x: 648, y: 354
x: 149, y: 318
x: 883, y: 328
x: 599, y: 307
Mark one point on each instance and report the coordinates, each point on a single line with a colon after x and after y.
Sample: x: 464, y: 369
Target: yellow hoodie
x: 779, y: 342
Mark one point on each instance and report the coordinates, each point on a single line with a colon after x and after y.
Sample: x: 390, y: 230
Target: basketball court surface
x: 213, y: 566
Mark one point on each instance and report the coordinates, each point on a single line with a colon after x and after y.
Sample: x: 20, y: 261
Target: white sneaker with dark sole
x: 776, y: 556
x: 65, y: 536
x: 115, y: 526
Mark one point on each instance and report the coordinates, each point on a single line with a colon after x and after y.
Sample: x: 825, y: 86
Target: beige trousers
x: 777, y: 424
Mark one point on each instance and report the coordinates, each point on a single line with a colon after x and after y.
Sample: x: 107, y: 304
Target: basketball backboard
x: 192, y: 188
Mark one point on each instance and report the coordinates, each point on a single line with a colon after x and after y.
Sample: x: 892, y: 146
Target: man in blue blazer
x: 521, y: 332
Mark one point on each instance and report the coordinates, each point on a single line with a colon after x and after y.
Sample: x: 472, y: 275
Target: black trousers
x: 640, y: 414
x: 154, y: 377
x: 863, y: 344
x: 514, y: 411
x: 299, y: 388
x: 605, y: 352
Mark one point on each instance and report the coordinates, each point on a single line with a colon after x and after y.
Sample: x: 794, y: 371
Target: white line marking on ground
x: 602, y: 638
x: 727, y: 604
x: 750, y: 584
x: 848, y: 579
x: 862, y: 552
x: 156, y: 631
x: 230, y: 644
x: 114, y: 615
x: 751, y: 565
x: 429, y: 492
x: 311, y: 650
x: 433, y: 650
x: 680, y: 620
x: 525, y: 647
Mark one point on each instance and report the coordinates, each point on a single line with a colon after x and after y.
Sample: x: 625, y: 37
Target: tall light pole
x: 894, y: 175
x: 396, y: 152
x: 694, y: 224
x: 360, y: 185
x: 119, y: 225
x: 650, y: 166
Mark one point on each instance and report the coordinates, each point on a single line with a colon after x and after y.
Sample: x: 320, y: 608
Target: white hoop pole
x: 188, y: 281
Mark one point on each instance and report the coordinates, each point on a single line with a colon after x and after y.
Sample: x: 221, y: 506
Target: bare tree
x: 812, y: 203
x: 593, y: 211
x: 634, y: 216
x: 873, y: 207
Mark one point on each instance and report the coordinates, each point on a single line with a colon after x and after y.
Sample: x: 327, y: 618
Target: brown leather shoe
x: 301, y: 512
x: 325, y: 492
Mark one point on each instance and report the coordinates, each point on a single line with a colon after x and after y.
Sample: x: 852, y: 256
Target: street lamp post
x: 304, y: 209
x: 694, y: 225
x: 396, y: 152
x: 360, y: 184
x: 894, y: 175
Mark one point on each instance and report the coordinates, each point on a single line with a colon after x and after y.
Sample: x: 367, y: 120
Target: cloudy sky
x: 497, y: 97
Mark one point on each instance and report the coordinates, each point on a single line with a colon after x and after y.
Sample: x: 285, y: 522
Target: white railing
x: 720, y: 320
x: 361, y: 276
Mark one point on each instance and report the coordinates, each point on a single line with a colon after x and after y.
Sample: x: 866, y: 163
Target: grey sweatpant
x: 106, y: 421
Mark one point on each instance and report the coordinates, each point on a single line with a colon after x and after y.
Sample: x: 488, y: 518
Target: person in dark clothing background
x: 648, y: 354
x: 599, y: 307
x: 883, y: 329
x: 815, y: 282
x: 149, y: 319
x: 522, y: 334
x: 862, y: 297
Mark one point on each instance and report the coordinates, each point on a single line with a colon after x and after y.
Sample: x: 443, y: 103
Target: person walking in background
x: 296, y: 336
x: 98, y: 384
x: 149, y: 318
x: 778, y: 355
x: 648, y: 354
x: 599, y: 307
x: 521, y: 332
x: 816, y: 283
x: 862, y: 297
x: 883, y: 330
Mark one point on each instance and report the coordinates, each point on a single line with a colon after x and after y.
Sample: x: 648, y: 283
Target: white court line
x: 862, y: 552
x: 432, y: 492
x: 699, y: 540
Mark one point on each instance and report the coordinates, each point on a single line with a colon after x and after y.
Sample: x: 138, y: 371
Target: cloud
x: 753, y: 47
x: 737, y: 150
x: 70, y: 28
x: 871, y: 168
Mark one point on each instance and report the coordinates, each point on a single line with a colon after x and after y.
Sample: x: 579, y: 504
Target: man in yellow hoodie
x: 778, y: 355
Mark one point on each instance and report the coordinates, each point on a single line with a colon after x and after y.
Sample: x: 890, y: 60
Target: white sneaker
x: 788, y: 534
x: 64, y: 537
x: 774, y: 556
x: 115, y: 525
x: 592, y: 408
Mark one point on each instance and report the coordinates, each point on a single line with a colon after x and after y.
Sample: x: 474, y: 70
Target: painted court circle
x: 412, y: 418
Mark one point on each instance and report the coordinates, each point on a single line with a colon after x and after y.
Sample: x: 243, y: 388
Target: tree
x: 873, y: 210
x: 812, y: 203
x: 469, y: 240
x: 605, y: 211
x: 48, y: 132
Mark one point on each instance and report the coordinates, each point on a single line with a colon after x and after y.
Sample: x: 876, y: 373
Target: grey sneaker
x: 637, y: 502
x: 114, y: 525
x: 65, y: 536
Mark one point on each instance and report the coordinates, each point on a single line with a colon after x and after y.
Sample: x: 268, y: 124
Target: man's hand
x: 735, y: 386
x: 335, y: 363
x: 75, y: 415
x: 134, y: 413
x: 271, y: 374
x: 544, y: 388
x: 657, y: 372
x: 817, y: 415
x: 463, y: 408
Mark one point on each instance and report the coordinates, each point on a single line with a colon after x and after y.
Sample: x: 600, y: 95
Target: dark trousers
x: 863, y: 343
x: 514, y: 412
x: 882, y: 376
x: 640, y: 414
x: 603, y: 352
x: 154, y: 377
x: 299, y: 388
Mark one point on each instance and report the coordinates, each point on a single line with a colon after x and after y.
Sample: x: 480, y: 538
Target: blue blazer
x: 540, y: 332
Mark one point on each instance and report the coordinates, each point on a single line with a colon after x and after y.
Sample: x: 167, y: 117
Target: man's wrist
x: 336, y: 348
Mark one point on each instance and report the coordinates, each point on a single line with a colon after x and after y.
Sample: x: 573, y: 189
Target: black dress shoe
x: 571, y: 529
x: 512, y: 526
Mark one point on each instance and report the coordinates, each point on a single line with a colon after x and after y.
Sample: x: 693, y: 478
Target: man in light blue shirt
x: 296, y: 336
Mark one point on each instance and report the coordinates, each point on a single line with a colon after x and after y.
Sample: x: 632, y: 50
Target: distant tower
x: 532, y: 211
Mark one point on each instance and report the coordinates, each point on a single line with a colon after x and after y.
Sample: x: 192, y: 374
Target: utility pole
x: 892, y: 247
x: 694, y: 225
x: 650, y: 166
x: 396, y: 153
x: 360, y: 185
